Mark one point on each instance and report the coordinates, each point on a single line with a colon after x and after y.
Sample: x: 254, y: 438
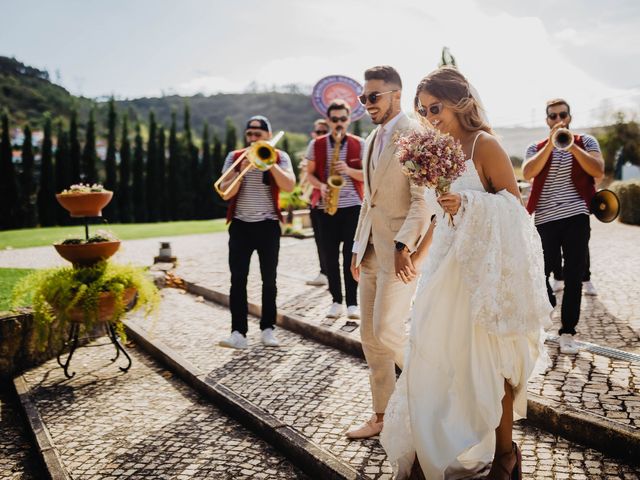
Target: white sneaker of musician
x: 589, y: 289
x: 269, y: 338
x: 335, y: 310
x: 568, y: 344
x: 319, y: 281
x: 353, y: 312
x: 236, y: 340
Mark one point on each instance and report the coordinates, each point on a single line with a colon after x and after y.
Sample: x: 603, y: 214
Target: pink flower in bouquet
x: 431, y: 159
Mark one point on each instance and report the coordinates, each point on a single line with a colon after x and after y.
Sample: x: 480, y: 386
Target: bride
x: 479, y: 313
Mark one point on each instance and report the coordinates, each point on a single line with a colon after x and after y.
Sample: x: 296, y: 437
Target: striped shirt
x: 559, y: 197
x: 255, y: 202
x: 348, y: 194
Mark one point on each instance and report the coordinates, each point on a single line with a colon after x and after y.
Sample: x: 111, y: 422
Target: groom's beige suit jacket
x: 392, y: 208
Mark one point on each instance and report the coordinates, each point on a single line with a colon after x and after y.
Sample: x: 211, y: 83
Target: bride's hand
x: 450, y: 202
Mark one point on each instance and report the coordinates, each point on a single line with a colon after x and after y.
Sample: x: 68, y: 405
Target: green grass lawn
x: 8, y: 278
x: 37, y: 237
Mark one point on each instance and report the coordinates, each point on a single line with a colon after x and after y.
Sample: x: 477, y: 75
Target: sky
x: 517, y: 54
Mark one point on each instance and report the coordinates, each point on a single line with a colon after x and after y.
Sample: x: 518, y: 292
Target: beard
x: 386, y: 116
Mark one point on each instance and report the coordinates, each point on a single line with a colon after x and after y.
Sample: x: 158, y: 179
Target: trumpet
x: 562, y: 139
x: 261, y: 154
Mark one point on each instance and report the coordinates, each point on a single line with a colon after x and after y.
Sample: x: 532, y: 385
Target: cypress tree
x: 27, y: 182
x: 294, y: 163
x: 74, y: 153
x: 111, y: 167
x: 206, y: 177
x: 46, y: 194
x: 173, y: 176
x: 357, y: 128
x: 89, y: 155
x: 218, y: 163
x: 162, y: 186
x: 153, y: 193
x: 63, y: 171
x: 189, y: 169
x: 231, y: 139
x: 139, y: 197
x: 126, y: 207
x: 9, y: 194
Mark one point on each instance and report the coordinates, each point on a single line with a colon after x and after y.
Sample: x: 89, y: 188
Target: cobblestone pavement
x: 322, y: 392
x: 144, y: 424
x: 18, y: 458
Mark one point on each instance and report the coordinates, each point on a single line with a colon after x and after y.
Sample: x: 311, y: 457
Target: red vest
x: 320, y: 157
x: 275, y: 191
x: 584, y: 183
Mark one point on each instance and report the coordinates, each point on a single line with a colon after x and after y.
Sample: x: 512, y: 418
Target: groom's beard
x: 385, y: 117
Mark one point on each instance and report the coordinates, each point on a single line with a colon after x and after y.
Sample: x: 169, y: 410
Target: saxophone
x: 335, y: 182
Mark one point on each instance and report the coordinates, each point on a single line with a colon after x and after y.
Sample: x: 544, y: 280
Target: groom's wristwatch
x: 400, y: 247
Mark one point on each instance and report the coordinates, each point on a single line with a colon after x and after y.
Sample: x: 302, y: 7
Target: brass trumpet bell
x: 605, y: 205
x: 261, y: 154
x: 562, y: 139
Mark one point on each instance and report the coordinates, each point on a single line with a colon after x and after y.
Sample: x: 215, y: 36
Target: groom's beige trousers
x: 385, y: 302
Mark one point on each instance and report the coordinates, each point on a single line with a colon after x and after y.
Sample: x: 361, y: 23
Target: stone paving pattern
x: 18, y: 458
x: 144, y: 424
x: 322, y: 392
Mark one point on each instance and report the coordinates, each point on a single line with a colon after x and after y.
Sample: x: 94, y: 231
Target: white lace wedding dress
x: 478, y: 318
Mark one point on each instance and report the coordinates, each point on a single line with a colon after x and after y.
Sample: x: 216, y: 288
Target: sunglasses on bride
x: 433, y: 109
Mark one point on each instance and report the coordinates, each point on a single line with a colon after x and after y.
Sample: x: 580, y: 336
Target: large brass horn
x: 605, y: 205
x: 261, y: 154
x: 562, y: 139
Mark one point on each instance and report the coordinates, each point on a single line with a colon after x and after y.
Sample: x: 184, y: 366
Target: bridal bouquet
x: 431, y: 159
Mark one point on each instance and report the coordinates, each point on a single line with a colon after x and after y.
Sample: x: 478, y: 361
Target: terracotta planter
x: 85, y: 204
x: 87, y: 253
x: 106, y: 306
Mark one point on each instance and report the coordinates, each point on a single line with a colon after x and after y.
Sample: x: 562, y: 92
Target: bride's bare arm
x: 418, y: 256
x: 494, y: 166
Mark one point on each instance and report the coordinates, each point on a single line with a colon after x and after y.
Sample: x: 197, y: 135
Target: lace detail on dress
x: 500, y: 253
x: 398, y: 439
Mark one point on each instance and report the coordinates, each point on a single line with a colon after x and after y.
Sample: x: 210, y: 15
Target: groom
x: 393, y: 218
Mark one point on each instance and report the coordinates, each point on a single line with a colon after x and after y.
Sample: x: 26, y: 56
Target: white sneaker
x: 568, y: 344
x: 236, y: 340
x: 353, y: 312
x: 319, y: 281
x: 557, y: 285
x: 589, y: 289
x: 335, y: 310
x: 269, y: 338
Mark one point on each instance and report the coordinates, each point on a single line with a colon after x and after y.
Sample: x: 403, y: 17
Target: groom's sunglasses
x: 434, y: 109
x: 373, y: 97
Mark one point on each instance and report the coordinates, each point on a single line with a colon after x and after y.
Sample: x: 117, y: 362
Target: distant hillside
x: 286, y: 111
x: 27, y: 93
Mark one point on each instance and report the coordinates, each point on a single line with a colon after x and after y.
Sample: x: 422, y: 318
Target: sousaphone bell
x: 605, y: 205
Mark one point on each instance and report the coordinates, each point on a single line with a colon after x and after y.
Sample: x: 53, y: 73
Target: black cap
x: 259, y: 122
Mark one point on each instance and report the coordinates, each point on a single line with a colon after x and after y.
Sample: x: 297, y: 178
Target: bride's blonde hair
x: 449, y: 85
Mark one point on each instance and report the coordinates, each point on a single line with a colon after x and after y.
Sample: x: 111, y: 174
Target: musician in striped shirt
x: 254, y: 217
x: 563, y: 185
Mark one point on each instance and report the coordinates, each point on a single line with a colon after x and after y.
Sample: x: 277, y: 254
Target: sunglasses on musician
x: 342, y: 119
x: 373, y: 97
x: 433, y: 109
x: 553, y: 115
x: 321, y: 132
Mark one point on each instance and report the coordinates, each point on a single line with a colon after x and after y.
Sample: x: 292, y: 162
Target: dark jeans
x: 558, y: 274
x: 336, y: 229
x: 244, y: 238
x: 568, y: 238
x: 316, y: 215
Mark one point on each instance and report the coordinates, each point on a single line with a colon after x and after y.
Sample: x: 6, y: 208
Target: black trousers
x: 558, y: 274
x: 244, y: 238
x: 337, y: 229
x: 569, y: 238
x: 316, y: 215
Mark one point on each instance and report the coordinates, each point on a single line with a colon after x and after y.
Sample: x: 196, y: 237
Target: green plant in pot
x: 87, y: 295
x: 80, y: 252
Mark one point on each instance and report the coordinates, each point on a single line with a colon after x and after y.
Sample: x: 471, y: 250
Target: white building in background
x: 630, y: 171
